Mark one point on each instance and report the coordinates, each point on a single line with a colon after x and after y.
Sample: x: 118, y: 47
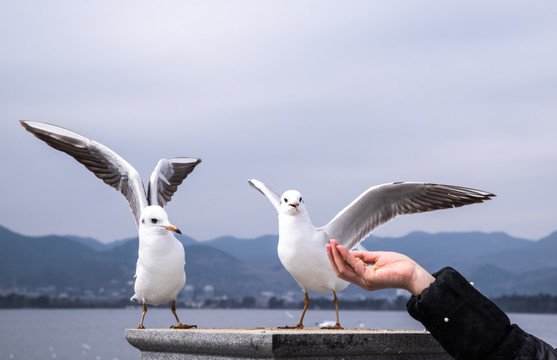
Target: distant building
x: 188, y: 292
x: 208, y: 292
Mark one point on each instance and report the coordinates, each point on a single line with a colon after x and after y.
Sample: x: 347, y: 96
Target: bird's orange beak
x: 173, y: 229
x: 294, y: 206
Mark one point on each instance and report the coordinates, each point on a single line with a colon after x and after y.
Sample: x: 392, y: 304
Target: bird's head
x: 291, y: 203
x: 155, y: 219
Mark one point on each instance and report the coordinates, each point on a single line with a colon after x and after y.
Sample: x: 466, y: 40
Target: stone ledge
x: 216, y: 344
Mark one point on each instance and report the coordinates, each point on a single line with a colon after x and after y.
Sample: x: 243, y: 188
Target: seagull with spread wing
x: 301, y: 246
x: 160, y: 273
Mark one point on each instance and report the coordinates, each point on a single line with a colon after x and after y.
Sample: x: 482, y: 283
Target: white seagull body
x: 160, y: 273
x: 301, y: 246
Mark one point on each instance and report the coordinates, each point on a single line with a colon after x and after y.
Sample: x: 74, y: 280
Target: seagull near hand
x: 302, y: 246
x: 160, y: 273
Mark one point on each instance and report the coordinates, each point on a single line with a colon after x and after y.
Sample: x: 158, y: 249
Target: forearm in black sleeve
x: 466, y: 323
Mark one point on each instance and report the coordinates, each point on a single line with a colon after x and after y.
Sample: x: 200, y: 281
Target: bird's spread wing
x: 381, y: 203
x: 167, y: 176
x: 103, y: 162
x: 273, y: 197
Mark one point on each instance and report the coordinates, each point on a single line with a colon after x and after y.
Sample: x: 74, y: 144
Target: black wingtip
x: 25, y: 124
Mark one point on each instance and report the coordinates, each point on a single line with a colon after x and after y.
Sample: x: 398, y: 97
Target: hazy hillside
x: 70, y: 262
x: 536, y: 255
x: 459, y: 250
x: 229, y: 275
x: 497, y: 263
x: 262, y: 250
x: 52, y: 260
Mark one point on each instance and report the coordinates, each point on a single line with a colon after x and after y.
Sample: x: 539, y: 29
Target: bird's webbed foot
x: 183, y: 326
x: 180, y: 325
x: 298, y: 326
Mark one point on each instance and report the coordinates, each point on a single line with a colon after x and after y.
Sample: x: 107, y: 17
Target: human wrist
x: 419, y: 280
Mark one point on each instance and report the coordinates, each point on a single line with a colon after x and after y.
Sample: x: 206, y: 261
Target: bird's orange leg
x: 180, y: 325
x: 300, y: 324
x: 337, y: 325
x: 143, y: 317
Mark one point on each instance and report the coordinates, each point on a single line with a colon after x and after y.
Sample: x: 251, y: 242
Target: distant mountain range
x: 496, y: 262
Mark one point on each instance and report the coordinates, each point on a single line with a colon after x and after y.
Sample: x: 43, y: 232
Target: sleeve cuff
x: 466, y: 323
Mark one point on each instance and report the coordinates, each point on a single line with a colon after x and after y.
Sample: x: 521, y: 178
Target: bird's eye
x: 154, y: 220
x: 285, y: 200
x: 300, y: 199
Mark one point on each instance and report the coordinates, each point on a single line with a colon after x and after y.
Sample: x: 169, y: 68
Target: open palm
x: 374, y: 270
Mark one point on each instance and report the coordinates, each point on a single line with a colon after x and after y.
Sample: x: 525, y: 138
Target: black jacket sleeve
x: 468, y: 325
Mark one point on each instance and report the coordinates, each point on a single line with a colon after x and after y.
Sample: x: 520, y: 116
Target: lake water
x: 98, y: 334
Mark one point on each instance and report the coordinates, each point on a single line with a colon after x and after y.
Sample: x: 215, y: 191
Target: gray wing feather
x: 273, y: 197
x: 108, y: 166
x: 382, y: 203
x: 167, y: 176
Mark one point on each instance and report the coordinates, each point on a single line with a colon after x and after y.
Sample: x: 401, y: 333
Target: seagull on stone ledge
x: 301, y: 246
x: 160, y: 273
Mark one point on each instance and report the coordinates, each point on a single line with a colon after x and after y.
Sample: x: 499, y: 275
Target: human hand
x: 390, y: 270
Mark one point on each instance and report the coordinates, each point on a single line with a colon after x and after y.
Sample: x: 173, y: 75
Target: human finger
x: 344, y: 268
x: 356, y: 266
x: 332, y: 258
x: 369, y: 257
x: 339, y: 261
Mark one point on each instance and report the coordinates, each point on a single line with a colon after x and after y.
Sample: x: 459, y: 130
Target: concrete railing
x: 216, y: 344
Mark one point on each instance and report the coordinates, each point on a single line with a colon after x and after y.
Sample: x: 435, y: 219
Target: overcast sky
x: 326, y: 97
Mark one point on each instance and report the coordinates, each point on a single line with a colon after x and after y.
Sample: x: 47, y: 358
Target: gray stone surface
x: 213, y: 344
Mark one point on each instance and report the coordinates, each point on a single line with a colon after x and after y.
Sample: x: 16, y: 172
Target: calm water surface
x: 98, y: 334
